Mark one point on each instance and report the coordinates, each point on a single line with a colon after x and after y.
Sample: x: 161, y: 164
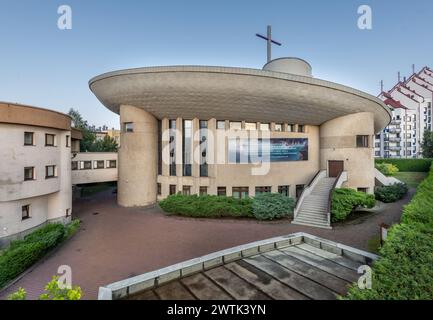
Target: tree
x: 427, y: 144
x: 108, y: 144
x: 89, y: 142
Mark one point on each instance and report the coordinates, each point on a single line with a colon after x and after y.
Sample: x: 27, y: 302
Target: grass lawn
x: 412, y: 179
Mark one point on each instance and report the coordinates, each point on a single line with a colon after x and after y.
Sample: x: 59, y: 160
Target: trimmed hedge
x: 207, y: 206
x: 270, y: 206
x: 391, y: 193
x: 21, y: 254
x: 388, y: 169
x: 404, y: 271
x: 409, y: 165
x: 344, y: 200
x: 267, y: 206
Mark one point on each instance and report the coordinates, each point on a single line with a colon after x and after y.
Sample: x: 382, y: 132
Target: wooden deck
x: 298, y: 272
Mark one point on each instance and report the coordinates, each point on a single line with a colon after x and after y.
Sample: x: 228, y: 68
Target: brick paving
x: 115, y: 243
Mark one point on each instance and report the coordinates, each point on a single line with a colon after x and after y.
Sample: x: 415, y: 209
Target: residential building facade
x: 411, y: 103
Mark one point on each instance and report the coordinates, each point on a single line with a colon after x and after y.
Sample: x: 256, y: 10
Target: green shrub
x: 391, y: 193
x: 345, y: 200
x: 21, y: 254
x: 409, y: 165
x: 404, y: 271
x: 388, y: 169
x: 52, y: 292
x: 270, y: 206
x: 55, y: 292
x: 21, y: 294
x: 207, y: 206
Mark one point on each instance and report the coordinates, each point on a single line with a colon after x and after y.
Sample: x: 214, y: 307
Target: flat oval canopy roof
x: 236, y: 94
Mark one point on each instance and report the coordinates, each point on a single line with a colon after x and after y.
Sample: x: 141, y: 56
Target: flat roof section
x: 294, y: 267
x: 234, y: 94
x: 33, y: 116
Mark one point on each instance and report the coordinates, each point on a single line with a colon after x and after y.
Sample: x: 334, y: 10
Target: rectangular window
x: 284, y: 190
x: 362, y: 141
x: 29, y: 173
x: 74, y: 165
x: 290, y: 128
x: 240, y: 192
x: 85, y: 165
x: 172, y: 131
x: 159, y: 147
x: 172, y: 189
x: 25, y: 212
x: 187, y: 148
x: 278, y: 127
x: 260, y: 190
x: 222, y: 191
x: 221, y: 124
x: 158, y: 188
x: 365, y: 190
x: 299, y: 189
x: 50, y: 172
x: 128, y: 127
x: 264, y: 127
x: 29, y: 139
x: 186, y: 190
x: 49, y: 140
x: 301, y: 128
x: 68, y: 212
x: 203, y: 191
x: 235, y: 125
x: 250, y: 126
x: 111, y: 164
x: 98, y: 164
x: 68, y: 141
x: 203, y: 148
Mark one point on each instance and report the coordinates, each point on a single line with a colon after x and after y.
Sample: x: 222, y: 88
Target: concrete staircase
x: 313, y: 211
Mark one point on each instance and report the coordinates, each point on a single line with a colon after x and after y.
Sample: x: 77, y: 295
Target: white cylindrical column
x: 138, y: 158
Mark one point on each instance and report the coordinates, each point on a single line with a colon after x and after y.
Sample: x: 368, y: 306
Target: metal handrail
x: 308, y: 185
x: 306, y: 188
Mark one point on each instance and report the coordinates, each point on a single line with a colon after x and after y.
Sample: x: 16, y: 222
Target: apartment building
x: 411, y: 103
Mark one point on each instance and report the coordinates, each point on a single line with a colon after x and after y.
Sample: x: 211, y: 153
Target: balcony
x: 395, y: 122
x: 394, y: 139
x: 395, y: 130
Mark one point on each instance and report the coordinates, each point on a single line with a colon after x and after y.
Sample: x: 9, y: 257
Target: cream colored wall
x: 338, y: 142
x: 240, y: 175
x: 49, y: 198
x: 137, y: 158
x: 95, y: 175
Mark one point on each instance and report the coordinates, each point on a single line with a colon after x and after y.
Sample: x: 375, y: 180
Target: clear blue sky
x: 44, y: 66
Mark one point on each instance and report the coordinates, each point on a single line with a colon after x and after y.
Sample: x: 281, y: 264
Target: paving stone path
x: 115, y: 243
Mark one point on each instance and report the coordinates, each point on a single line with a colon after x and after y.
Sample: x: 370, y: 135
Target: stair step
x: 312, y: 225
x: 313, y: 219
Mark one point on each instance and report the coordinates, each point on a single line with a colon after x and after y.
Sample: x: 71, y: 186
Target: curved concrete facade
x: 137, y: 158
x: 338, y: 143
x: 290, y: 65
x: 275, y: 103
x: 48, y: 198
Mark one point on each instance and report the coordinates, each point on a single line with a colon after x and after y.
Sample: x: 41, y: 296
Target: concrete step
x: 306, y: 218
x: 312, y: 214
x: 310, y: 211
x: 322, y: 226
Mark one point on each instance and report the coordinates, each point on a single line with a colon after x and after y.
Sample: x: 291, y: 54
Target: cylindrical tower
x: 138, y: 157
x: 289, y: 65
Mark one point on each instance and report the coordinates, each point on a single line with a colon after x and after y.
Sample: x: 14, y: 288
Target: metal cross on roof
x: 269, y: 41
